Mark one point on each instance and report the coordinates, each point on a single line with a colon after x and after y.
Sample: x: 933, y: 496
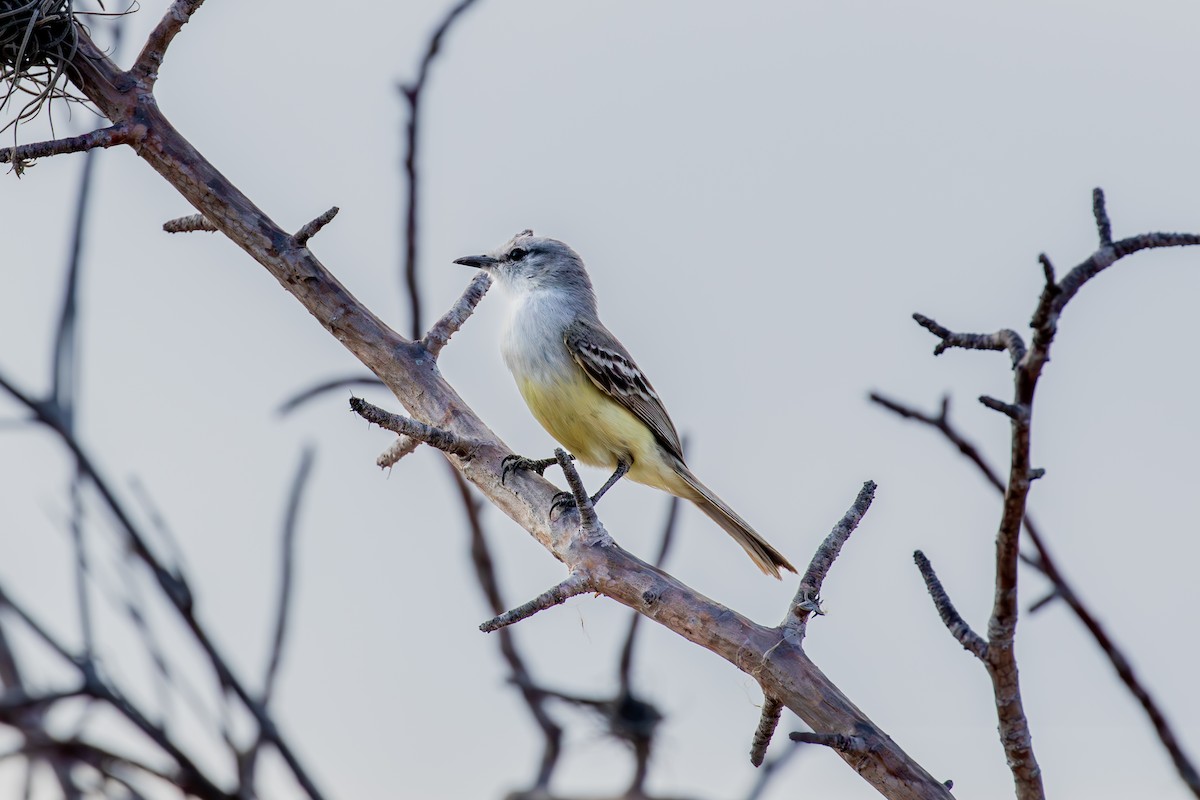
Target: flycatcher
x: 584, y: 388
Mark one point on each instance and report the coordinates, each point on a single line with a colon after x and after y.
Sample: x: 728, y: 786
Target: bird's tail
x: 766, y: 557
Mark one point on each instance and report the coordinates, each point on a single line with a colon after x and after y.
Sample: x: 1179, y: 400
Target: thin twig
x: 397, y: 450
x: 189, y: 224
x: 1103, y: 226
x: 1074, y: 280
x: 555, y: 595
x: 1000, y: 655
x: 434, y: 437
x: 1003, y: 339
x: 589, y: 523
x: 150, y: 60
x: 336, y: 384
x: 312, y: 227
x: 625, y: 665
x: 485, y: 571
x: 191, y: 778
x: 105, y: 137
x: 807, y: 599
x: 459, y: 313
x: 173, y: 585
x: 953, y: 621
x: 412, y: 93
x: 287, y: 563
x: 768, y: 721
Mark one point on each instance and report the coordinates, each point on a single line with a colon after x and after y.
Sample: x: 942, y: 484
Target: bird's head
x: 528, y: 263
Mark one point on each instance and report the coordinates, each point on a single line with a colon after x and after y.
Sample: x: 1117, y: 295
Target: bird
x: 584, y: 387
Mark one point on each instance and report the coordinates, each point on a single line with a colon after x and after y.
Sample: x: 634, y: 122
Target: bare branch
x: 1014, y: 412
x: 190, y: 778
x: 22, y: 155
x: 287, y: 560
x: 485, y: 570
x: 434, y: 437
x: 396, y: 451
x: 1103, y: 226
x: 953, y: 621
x: 1074, y: 280
x: 556, y: 595
x: 412, y: 94
x: 150, y: 59
x: 171, y: 583
x: 189, y: 224
x: 768, y: 721
x: 311, y: 228
x: 589, y: 524
x: 1000, y: 655
x: 1046, y: 564
x: 459, y: 313
x: 625, y: 665
x: 1003, y: 339
x: 807, y: 599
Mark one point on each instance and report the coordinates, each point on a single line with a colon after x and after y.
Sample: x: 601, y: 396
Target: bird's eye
x: 516, y: 254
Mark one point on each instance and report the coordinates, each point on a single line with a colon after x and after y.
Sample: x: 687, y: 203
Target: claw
x: 515, y: 462
x: 561, y: 502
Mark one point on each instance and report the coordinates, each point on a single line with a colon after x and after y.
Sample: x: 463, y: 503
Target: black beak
x: 477, y: 261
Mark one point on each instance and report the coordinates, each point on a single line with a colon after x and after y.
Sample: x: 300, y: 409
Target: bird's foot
x: 515, y: 462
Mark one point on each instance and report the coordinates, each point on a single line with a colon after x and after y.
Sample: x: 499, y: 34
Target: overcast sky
x: 764, y: 193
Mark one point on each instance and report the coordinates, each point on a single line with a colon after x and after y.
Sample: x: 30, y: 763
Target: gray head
x: 528, y: 263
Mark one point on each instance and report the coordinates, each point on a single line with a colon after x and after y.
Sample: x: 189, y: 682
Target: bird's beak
x: 477, y: 261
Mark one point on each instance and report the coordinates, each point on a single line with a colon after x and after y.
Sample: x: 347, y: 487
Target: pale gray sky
x: 763, y: 192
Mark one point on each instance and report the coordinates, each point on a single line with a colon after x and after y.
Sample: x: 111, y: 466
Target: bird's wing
x: 611, y: 368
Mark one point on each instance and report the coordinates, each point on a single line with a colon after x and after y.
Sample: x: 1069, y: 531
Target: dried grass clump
x: 38, y: 39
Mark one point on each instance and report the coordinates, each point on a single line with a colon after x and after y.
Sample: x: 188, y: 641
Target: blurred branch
x: 412, y: 94
x: 485, y: 572
x: 313, y: 392
x: 172, y: 583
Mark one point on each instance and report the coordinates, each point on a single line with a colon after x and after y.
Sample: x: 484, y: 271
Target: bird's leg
x: 623, y: 466
x: 566, y: 499
x: 515, y: 462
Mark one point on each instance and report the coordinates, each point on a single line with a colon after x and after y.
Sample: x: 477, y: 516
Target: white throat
x: 532, y: 343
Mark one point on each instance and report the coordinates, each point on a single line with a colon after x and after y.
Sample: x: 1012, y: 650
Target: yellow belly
x: 598, y: 430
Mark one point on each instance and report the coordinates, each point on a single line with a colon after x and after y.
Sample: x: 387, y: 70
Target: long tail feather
x: 766, y: 557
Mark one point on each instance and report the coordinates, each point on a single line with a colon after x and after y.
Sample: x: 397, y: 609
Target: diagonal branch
x: 958, y: 627
x: 807, y: 600
x: 459, y: 313
x: 171, y: 583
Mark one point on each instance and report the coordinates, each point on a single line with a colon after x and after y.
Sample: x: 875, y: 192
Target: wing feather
x: 610, y: 367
